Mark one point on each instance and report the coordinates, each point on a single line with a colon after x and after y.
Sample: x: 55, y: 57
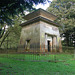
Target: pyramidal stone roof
x: 40, y: 15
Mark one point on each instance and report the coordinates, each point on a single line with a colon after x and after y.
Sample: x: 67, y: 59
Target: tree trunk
x: 5, y: 35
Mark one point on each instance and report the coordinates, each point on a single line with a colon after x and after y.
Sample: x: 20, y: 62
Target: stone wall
x: 52, y: 33
x: 31, y: 32
x: 37, y: 33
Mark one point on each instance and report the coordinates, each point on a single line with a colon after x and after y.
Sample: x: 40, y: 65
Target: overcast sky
x: 43, y: 6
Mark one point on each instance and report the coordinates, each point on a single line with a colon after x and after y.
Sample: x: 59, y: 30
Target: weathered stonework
x: 49, y: 32
x: 40, y: 33
x: 42, y: 13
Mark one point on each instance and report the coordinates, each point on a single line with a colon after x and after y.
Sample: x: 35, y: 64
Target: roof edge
x: 42, y: 10
x: 39, y: 18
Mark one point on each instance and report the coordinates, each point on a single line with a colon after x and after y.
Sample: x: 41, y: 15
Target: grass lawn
x: 9, y: 65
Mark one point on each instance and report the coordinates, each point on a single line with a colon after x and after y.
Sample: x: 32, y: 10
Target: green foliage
x: 13, y: 36
x: 65, y: 11
x: 14, y: 7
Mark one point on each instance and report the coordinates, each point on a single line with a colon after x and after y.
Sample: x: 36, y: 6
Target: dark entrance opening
x: 48, y: 46
x: 28, y: 44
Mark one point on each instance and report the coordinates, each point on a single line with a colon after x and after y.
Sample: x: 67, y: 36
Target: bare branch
x: 6, y: 34
x: 2, y: 32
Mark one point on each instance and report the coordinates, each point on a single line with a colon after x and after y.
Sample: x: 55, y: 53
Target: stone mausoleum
x: 40, y: 33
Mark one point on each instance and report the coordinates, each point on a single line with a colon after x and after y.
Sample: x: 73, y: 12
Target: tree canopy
x: 12, y: 34
x: 65, y: 11
x: 14, y: 7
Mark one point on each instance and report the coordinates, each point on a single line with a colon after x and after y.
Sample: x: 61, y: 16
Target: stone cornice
x: 39, y: 12
x: 39, y: 18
